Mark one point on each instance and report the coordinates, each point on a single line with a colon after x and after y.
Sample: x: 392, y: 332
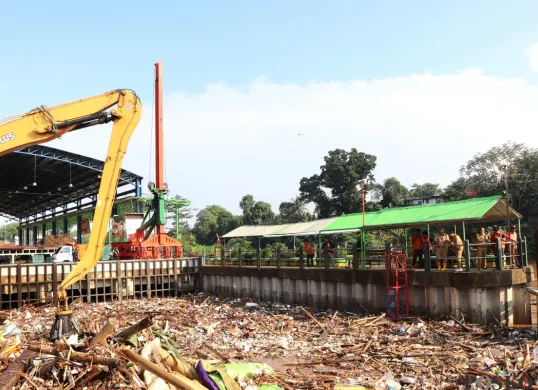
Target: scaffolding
x: 397, y: 284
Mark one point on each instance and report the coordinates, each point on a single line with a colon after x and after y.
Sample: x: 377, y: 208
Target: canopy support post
x: 363, y: 249
x: 406, y: 239
x: 463, y: 226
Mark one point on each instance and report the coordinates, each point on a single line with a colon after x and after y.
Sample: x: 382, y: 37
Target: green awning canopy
x: 492, y: 208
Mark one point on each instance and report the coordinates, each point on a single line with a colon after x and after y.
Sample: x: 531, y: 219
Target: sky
x: 422, y: 85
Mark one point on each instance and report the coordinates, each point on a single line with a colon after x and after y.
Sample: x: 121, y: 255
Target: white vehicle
x: 63, y: 254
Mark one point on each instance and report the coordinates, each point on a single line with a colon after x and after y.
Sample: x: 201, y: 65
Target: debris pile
x: 203, y: 342
x: 50, y: 241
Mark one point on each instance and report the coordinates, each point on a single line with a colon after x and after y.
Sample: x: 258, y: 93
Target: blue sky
x: 380, y: 52
x: 60, y: 50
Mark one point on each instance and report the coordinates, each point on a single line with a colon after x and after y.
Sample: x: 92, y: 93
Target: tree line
x: 510, y: 169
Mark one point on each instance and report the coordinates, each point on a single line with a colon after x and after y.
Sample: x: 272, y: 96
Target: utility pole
x: 506, y: 198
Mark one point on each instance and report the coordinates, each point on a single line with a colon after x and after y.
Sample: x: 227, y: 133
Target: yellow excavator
x: 44, y: 124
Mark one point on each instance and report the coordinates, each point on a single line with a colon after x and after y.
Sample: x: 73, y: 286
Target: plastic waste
x: 9, y: 330
x: 388, y: 381
x: 251, y: 304
x: 240, y: 371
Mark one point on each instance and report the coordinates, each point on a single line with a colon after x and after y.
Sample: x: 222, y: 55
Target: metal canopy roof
x: 54, y: 170
x: 491, y: 208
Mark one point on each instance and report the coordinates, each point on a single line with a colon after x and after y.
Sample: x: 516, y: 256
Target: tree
x: 458, y: 190
x: 178, y: 210
x: 391, y: 193
x: 334, y: 190
x: 426, y: 190
x: 293, y: 211
x: 9, y: 231
x: 213, y: 220
x: 256, y: 212
x: 510, y: 166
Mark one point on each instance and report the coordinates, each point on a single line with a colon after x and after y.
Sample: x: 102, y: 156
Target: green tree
x: 178, y: 211
x: 510, y: 166
x: 334, y: 190
x: 425, y: 190
x: 459, y: 189
x: 9, y: 231
x: 293, y: 211
x: 213, y: 220
x: 256, y: 212
x: 391, y: 193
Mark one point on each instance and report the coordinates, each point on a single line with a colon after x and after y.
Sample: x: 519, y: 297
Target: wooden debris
x: 74, y: 355
x: 11, y: 375
x: 175, y: 379
x: 105, y: 332
x: 136, y: 328
x: 306, y: 350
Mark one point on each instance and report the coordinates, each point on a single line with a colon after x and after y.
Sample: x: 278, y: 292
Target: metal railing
x: 371, y: 257
x: 497, y: 254
x: 36, y: 284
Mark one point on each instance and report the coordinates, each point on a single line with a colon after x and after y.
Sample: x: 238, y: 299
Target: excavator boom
x: 45, y: 124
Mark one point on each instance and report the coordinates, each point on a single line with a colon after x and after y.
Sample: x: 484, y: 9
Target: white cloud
x: 532, y: 53
x: 229, y: 141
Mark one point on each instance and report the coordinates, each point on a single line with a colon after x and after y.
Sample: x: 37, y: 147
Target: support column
x: 35, y: 235
x: 54, y: 231
x: 27, y: 241
x: 21, y: 238
x: 79, y: 230
x: 43, y: 230
x: 66, y: 226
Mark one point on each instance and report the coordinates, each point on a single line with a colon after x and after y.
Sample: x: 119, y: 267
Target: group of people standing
x: 480, y: 242
x: 443, y: 242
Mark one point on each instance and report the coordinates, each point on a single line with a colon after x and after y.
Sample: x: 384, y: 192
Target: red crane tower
x: 143, y: 244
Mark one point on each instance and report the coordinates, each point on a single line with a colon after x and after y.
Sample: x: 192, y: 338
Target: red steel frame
x: 396, y: 280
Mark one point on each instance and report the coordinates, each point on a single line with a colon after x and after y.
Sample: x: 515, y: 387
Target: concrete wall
x: 482, y: 297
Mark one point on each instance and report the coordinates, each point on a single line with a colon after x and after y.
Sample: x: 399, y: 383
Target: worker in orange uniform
x: 417, y: 242
x: 457, y: 243
x: 481, y: 241
x: 309, y: 251
x: 498, y: 233
x: 441, y: 249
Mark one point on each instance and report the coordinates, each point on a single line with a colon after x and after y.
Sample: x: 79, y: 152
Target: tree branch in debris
x: 75, y: 356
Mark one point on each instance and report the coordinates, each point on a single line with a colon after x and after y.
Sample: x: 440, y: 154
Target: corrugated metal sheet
x: 492, y: 208
x: 302, y: 228
x: 473, y: 209
x: 251, y: 231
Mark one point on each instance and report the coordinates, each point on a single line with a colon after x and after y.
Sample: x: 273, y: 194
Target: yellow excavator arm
x: 45, y: 124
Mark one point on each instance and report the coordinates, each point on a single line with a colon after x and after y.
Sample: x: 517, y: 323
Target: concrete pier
x: 482, y: 297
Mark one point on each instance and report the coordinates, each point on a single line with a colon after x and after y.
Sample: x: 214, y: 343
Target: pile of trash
x: 205, y: 342
x: 50, y: 241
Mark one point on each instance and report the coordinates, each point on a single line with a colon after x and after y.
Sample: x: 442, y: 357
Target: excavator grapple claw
x: 64, y: 325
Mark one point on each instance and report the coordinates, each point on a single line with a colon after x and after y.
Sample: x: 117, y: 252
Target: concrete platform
x: 482, y: 297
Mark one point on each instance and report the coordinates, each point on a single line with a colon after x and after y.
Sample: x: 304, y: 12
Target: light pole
x: 506, y: 197
x: 363, y: 233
